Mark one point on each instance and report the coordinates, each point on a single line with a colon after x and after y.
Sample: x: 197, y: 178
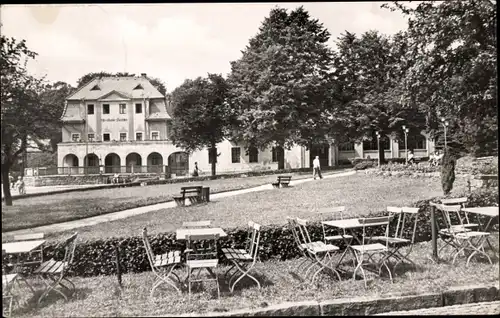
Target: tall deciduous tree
x: 368, y: 70
x: 455, y: 76
x: 23, y: 114
x: 201, y: 114
x: 280, y: 86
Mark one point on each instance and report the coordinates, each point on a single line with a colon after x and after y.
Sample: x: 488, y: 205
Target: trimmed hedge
x: 98, y: 257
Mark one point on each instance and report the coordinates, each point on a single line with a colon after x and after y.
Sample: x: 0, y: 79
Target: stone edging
x: 368, y: 305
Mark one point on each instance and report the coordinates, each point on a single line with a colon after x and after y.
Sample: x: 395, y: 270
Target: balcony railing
x: 98, y: 170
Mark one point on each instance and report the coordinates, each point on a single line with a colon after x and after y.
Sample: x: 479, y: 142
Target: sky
x: 172, y: 42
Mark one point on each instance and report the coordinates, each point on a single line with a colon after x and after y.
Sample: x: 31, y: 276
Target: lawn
x: 360, y: 193
x: 99, y: 296
x: 38, y: 211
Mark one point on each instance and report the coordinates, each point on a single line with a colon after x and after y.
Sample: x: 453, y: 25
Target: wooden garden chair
x: 447, y: 230
x: 308, y: 261
x: 162, y: 265
x: 8, y: 280
x: 331, y: 214
x: 242, y: 257
x: 401, y: 237
x: 463, y: 220
x: 202, y: 256
x: 319, y: 252
x: 466, y: 241
x: 54, y: 272
x: 372, y: 249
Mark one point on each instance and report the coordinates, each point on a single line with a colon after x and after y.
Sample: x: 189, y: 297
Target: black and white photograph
x: 249, y: 159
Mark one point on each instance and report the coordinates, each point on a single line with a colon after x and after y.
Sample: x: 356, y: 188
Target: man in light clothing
x: 316, y: 168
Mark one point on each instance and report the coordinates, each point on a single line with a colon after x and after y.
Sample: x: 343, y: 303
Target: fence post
x: 118, y: 267
x: 434, y: 232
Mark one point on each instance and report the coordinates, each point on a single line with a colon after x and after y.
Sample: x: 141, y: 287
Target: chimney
x: 143, y: 74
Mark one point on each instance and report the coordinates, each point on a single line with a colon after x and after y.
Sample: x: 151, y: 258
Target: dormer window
x: 95, y: 88
x: 139, y: 87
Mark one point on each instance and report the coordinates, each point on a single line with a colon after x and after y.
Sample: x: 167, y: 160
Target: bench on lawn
x: 282, y: 181
x: 195, y: 194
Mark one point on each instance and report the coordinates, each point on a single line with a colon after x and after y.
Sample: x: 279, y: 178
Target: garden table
x: 349, y: 225
x: 19, y: 248
x: 489, y: 211
x: 181, y: 234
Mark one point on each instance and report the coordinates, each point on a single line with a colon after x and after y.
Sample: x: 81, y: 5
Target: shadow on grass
x: 245, y: 283
x: 31, y: 304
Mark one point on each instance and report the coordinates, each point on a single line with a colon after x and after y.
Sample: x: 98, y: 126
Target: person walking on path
x: 196, y: 171
x: 316, y: 168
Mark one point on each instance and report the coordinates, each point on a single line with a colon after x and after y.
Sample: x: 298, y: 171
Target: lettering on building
x: 115, y: 119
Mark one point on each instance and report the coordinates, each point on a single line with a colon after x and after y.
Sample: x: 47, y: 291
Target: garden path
x: 65, y: 226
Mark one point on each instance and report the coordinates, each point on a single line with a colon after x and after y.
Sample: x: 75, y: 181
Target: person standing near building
x: 196, y: 171
x: 316, y: 168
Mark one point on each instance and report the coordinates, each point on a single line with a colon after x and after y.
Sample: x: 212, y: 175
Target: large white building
x: 121, y: 124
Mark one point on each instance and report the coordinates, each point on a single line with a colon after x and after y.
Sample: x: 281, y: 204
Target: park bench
x: 195, y: 194
x: 282, y: 181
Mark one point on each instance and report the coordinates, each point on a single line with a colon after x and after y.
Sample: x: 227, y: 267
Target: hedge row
x: 98, y: 257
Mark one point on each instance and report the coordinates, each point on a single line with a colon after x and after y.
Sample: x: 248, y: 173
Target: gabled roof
x: 159, y: 116
x: 124, y: 85
x: 121, y: 94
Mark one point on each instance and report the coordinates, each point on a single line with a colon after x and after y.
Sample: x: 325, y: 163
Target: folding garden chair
x: 53, y: 272
x: 331, y: 214
x: 448, y: 229
x: 401, y: 237
x: 466, y: 241
x: 241, y: 257
x: 8, y: 280
x: 319, y: 253
x: 372, y: 249
x: 462, y: 202
x: 162, y: 265
x: 202, y: 256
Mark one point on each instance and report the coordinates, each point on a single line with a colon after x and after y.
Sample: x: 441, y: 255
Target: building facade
x: 121, y: 124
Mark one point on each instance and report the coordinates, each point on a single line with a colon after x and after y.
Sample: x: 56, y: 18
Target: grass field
x: 360, y: 194
x: 38, y: 211
x: 99, y: 296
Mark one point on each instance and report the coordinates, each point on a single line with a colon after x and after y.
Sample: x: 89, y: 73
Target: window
x: 346, y: 146
x: 138, y: 108
x: 106, y: 137
x: 138, y: 136
x: 277, y: 153
x: 155, y: 135
x: 253, y: 154
x: 212, y: 153
x: 156, y: 160
x: 123, y: 136
x: 372, y: 144
x: 91, y: 137
x: 139, y: 87
x: 414, y: 142
x: 105, y: 108
x: 75, y: 137
x: 90, y: 109
x: 123, y: 108
x: 235, y: 154
x: 95, y: 88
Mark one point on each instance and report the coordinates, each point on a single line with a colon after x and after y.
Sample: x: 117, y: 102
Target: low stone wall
x: 64, y: 180
x: 378, y: 172
x: 364, y: 306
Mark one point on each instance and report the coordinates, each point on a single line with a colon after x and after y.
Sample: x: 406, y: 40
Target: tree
x: 23, y: 113
x: 448, y: 172
x: 201, y: 114
x: 85, y: 79
x: 280, y: 86
x: 455, y: 76
x: 368, y: 70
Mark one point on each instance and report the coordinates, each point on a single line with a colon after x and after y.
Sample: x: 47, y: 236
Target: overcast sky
x: 169, y: 41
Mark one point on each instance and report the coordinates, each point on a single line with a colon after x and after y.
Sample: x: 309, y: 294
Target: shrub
x: 364, y: 165
x: 448, y: 172
x: 98, y: 257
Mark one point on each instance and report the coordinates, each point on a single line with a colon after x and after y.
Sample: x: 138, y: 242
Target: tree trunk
x: 381, y: 151
x: 6, y: 184
x: 447, y: 172
x: 280, y: 152
x: 214, y: 158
